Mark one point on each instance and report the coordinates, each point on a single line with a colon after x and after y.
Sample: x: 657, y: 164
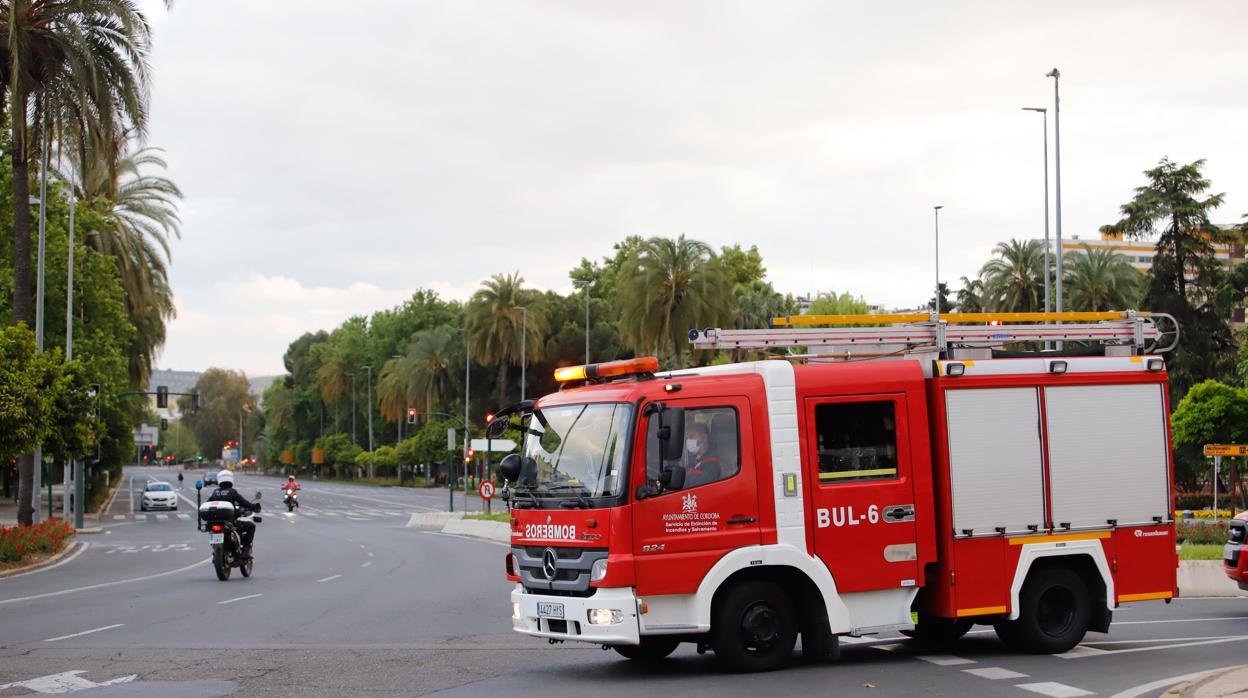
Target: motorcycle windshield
x: 577, y: 452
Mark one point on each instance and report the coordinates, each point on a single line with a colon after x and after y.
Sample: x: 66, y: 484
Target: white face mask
x: 692, y: 445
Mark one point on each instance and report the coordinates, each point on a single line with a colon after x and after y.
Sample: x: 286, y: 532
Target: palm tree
x: 429, y: 361
x: 1102, y: 279
x: 332, y: 378
x: 668, y: 287
x: 971, y: 296
x: 141, y: 215
x: 1014, y: 283
x: 84, y: 65
x: 494, y: 321
x: 392, y: 389
x: 754, y: 305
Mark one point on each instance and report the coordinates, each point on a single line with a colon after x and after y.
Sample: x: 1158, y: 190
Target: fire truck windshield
x: 573, y: 452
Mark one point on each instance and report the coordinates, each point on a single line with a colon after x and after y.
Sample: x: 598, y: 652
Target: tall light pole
x: 36, y: 478
x: 587, y: 323
x: 1045, y: 113
x: 524, y: 344
x: 936, y: 302
x: 369, y: 369
x: 1057, y: 177
x: 352, y: 407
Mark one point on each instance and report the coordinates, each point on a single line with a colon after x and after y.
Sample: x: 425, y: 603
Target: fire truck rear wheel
x: 651, y: 649
x: 1054, y: 612
x: 754, y: 627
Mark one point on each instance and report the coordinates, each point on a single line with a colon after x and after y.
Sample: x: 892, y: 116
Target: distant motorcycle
x: 292, y: 499
x: 218, y: 520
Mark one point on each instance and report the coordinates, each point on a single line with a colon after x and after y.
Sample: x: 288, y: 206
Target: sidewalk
x: 1222, y: 683
x: 8, y: 509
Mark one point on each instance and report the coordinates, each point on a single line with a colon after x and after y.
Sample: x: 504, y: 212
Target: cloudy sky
x: 335, y: 156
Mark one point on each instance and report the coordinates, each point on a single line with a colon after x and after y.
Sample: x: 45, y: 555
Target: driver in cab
x: 703, y: 464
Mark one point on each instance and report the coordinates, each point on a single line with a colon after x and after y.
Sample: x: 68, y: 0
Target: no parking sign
x: 486, y: 490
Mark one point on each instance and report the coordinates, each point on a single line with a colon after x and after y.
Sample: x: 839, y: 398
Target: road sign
x: 450, y: 438
x: 318, y: 455
x: 1225, y: 450
x: 145, y: 435
x: 494, y: 445
x: 486, y: 490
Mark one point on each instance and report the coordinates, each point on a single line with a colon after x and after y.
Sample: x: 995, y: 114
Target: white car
x: 159, y: 495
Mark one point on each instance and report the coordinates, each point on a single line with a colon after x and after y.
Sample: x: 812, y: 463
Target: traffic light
x: 164, y: 423
x: 196, y: 400
x: 468, y: 456
x: 489, y: 417
x: 162, y: 396
x: 199, y: 458
x: 411, y: 415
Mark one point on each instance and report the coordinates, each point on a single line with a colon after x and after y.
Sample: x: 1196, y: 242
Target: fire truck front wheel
x: 1054, y: 612
x: 754, y: 626
x: 651, y: 649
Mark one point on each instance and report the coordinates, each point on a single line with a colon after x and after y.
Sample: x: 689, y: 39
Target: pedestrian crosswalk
x: 340, y: 514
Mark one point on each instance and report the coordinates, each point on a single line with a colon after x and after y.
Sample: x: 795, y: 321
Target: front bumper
x: 575, y: 625
x: 170, y: 504
x: 1235, y: 563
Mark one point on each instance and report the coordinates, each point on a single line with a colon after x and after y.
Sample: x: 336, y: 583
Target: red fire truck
x: 910, y: 476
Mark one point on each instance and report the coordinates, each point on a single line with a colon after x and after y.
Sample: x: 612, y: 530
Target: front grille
x: 572, y: 568
x: 1237, y: 532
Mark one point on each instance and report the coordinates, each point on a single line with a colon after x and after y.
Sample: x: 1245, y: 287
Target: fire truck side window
x: 712, y: 446
x: 857, y: 441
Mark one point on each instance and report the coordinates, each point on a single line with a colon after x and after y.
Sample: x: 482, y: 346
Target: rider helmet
x: 225, y: 477
x: 290, y: 477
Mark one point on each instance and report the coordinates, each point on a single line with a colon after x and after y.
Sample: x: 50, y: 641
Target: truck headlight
x: 605, y: 616
x: 598, y: 571
x: 515, y: 609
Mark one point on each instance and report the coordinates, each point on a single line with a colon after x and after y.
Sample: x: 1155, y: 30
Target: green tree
x: 667, y: 288
x: 429, y: 360
x: 1174, y: 206
x: 1101, y: 279
x: 970, y: 298
x: 494, y: 323
x: 225, y: 398
x: 1211, y: 412
x: 742, y: 266
x: 832, y: 303
x: 945, y: 305
x: 1014, y: 282
x: 25, y: 403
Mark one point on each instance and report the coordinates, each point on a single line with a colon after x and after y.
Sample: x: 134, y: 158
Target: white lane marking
x: 69, y: 558
x: 370, y: 554
x: 851, y: 640
x: 944, y: 659
x: 118, y: 516
x: 1081, y: 651
x: 1232, y: 638
x: 65, y: 682
x: 1177, y: 620
x: 361, y: 545
x: 310, y: 513
x: 1053, y: 689
x: 330, y: 513
x: 184, y: 517
x: 995, y: 673
x: 101, y: 585
x: 241, y: 598
x: 85, y: 632
x: 1152, y: 686
x: 366, y: 564
x: 328, y: 579
x: 1159, y: 639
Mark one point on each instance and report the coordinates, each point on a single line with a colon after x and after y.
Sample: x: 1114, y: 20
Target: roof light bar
x: 610, y: 369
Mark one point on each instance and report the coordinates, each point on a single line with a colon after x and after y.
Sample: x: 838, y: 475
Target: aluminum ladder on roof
x: 903, y: 334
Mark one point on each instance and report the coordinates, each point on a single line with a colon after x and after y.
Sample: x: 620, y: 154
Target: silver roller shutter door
x: 995, y: 459
x: 1107, y: 454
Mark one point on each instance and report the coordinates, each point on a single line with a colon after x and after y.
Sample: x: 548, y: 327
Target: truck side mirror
x: 672, y: 477
x: 510, y: 467
x: 672, y: 433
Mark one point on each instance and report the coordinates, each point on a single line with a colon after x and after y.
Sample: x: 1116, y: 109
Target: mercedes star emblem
x: 548, y: 563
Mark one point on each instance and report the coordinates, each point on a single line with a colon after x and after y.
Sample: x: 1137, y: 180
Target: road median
x: 454, y: 523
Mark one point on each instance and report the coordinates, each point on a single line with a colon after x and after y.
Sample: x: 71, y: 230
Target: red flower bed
x: 21, y: 541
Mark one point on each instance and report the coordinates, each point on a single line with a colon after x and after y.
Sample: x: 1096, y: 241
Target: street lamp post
x: 936, y: 301
x: 586, y: 323
x: 352, y: 407
x: 1045, y: 113
x: 369, y: 387
x: 1057, y: 177
x: 524, y: 343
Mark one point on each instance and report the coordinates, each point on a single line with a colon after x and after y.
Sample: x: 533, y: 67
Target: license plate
x: 217, y: 538
x: 550, y: 610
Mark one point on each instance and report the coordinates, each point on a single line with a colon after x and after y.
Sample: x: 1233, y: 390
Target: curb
x: 454, y: 524
x: 43, y: 563
x: 1206, y: 578
x: 89, y: 530
x: 1214, y: 684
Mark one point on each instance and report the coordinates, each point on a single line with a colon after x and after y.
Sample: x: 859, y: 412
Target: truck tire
x: 754, y: 627
x: 651, y: 649
x: 818, y: 642
x: 938, y: 633
x: 1054, y: 611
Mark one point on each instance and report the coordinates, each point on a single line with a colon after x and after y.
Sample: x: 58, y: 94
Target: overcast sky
x: 336, y: 156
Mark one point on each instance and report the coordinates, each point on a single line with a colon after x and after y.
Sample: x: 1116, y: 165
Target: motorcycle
x: 292, y: 500
x: 218, y: 519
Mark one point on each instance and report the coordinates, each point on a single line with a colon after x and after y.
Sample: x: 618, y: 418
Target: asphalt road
x: 355, y: 604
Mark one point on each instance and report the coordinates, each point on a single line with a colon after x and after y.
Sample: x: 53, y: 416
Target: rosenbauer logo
x: 1149, y: 534
x: 550, y: 531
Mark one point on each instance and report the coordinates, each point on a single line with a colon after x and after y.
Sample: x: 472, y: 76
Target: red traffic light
x: 489, y: 417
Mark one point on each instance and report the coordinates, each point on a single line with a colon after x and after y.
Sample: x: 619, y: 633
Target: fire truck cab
x: 743, y: 506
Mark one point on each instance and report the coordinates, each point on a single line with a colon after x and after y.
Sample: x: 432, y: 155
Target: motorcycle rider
x: 290, y: 484
x: 225, y: 492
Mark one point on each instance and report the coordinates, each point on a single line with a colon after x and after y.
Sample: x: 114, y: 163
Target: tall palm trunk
x: 502, y: 383
x: 22, y: 295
